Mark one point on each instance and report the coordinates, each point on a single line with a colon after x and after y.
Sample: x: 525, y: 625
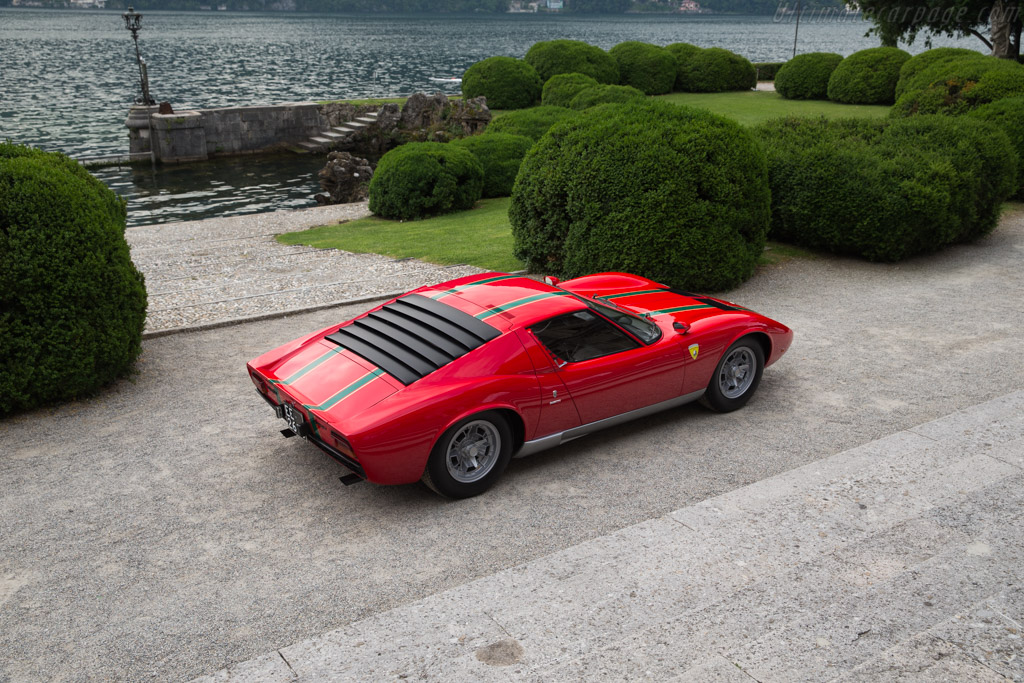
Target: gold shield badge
x: 694, y: 350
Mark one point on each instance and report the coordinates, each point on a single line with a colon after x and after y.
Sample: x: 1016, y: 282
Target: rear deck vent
x: 413, y: 336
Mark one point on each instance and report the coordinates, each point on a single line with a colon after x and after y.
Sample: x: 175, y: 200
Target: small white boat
x: 453, y: 79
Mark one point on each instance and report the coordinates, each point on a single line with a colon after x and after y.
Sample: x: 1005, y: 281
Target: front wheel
x: 736, y: 377
x: 470, y: 456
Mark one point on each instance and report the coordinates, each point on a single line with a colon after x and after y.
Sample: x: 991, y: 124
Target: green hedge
x: 716, y: 70
x: 868, y: 76
x: 507, y: 83
x: 552, y: 57
x: 1008, y: 115
x: 766, y: 71
x: 885, y: 190
x: 561, y: 88
x: 72, y: 304
x: 648, y: 68
x: 604, y: 94
x: 805, y: 77
x: 677, y: 194
x: 532, y: 123
x: 500, y: 155
x: 924, y: 60
x: 958, y: 84
x: 425, y: 178
x: 683, y: 52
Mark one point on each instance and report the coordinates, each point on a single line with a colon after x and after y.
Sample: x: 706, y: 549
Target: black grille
x: 413, y: 336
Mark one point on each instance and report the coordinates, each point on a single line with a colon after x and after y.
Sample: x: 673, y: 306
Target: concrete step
x: 366, y: 120
x: 346, y: 129
x: 310, y: 146
x: 331, y: 135
x: 320, y: 140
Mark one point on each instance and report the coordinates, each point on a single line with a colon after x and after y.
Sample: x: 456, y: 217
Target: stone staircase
x: 327, y: 140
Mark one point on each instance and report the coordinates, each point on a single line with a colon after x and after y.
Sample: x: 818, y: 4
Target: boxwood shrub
x: 924, y: 60
x: 805, y: 77
x: 552, y: 57
x: 72, y: 304
x: 422, y: 179
x: 507, y: 83
x: 716, y: 70
x: 500, y: 155
x: 648, y: 68
x: 683, y: 52
x: 561, y: 88
x: 766, y: 71
x: 677, y: 194
x: 1008, y: 115
x: 532, y: 123
x: 959, y: 84
x: 604, y: 94
x: 884, y: 190
x: 868, y: 76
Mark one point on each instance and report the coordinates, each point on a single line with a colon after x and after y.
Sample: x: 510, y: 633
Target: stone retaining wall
x: 201, y: 134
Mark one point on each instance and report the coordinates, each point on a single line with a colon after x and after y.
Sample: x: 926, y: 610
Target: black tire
x: 451, y: 473
x: 727, y: 392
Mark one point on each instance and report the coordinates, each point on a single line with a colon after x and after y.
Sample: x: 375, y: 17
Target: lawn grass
x: 480, y: 236
x: 752, y: 107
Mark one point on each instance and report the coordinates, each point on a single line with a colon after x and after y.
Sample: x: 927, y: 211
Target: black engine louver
x: 413, y: 336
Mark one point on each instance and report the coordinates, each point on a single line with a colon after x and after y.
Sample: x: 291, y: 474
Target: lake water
x: 68, y: 77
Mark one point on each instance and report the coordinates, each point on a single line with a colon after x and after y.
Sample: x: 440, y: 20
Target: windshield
x: 646, y: 330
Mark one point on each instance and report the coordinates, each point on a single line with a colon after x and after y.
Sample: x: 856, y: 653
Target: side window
x: 581, y: 336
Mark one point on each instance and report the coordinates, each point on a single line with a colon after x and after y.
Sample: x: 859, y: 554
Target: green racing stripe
x: 680, y: 309
x: 347, y: 391
x: 517, y: 303
x: 609, y: 297
x: 459, y: 288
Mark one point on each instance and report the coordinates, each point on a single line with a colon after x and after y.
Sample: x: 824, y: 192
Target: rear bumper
x: 345, y: 460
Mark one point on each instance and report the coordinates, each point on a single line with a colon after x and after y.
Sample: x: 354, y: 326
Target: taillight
x: 341, y: 443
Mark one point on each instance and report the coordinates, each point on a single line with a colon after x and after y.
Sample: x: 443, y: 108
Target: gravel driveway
x: 165, y: 529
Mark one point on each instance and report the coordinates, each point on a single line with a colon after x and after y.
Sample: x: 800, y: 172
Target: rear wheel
x: 736, y: 377
x: 470, y: 456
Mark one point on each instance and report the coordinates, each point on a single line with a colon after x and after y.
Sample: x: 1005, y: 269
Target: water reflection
x: 221, y: 187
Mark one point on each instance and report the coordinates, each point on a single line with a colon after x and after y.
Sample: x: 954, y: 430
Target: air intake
x: 413, y: 336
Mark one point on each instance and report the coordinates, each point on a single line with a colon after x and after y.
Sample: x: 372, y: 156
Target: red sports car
x: 447, y: 383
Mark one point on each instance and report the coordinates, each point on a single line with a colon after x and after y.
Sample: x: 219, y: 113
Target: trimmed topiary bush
x: 500, y: 155
x: 532, y: 123
x: 884, y: 190
x: 677, y: 194
x: 72, y: 304
x: 604, y: 94
x: 551, y: 57
x: 1008, y: 115
x: 926, y: 59
x: 957, y: 85
x: 423, y: 179
x: 805, y: 77
x: 766, y: 71
x: 561, y: 88
x: 683, y: 52
x: 868, y: 76
x: 716, y: 70
x: 648, y: 68
x: 507, y: 83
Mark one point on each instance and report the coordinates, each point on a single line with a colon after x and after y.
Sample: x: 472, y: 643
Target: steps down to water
x: 326, y: 140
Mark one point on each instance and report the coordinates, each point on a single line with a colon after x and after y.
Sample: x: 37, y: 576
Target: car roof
x: 502, y: 300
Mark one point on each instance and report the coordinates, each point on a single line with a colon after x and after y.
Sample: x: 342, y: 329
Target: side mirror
x: 680, y: 328
x: 551, y: 280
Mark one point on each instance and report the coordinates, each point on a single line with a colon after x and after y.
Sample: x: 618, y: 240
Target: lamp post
x: 133, y: 22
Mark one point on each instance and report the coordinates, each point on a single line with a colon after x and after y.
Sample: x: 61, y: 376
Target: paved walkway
x: 898, y: 560
x: 208, y: 272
